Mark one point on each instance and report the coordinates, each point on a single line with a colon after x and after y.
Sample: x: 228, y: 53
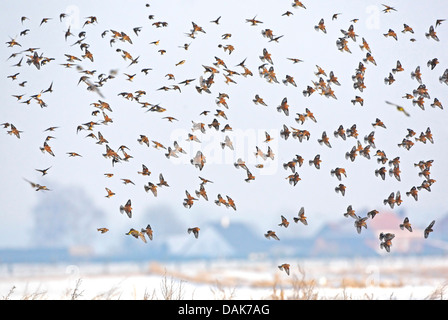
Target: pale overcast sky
x: 263, y: 200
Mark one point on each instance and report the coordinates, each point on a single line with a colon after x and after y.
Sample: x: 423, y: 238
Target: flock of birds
x: 323, y: 84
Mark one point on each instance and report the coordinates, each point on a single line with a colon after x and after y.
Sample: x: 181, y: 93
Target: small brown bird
x: 301, y: 217
x: 297, y: 4
x: 259, y: 100
x: 195, y: 231
x: 395, y: 171
x: 350, y: 212
x: 432, y: 34
x: 321, y: 26
x: 14, y: 131
x: 359, y: 223
x: 47, y: 148
x: 413, y: 192
x: 284, y: 223
x: 202, y: 192
x: 37, y: 186
x: 338, y: 172
x: 381, y: 172
x: 370, y: 139
x: 369, y: 58
x: 406, y: 225
x: 429, y: 229
x: 340, y: 188
x: 44, y: 171
x: 388, y: 9
x: 407, y: 28
x: 271, y: 234
x: 372, y: 213
x: 221, y: 200
x: 378, y: 123
x: 324, y: 139
x: 199, y: 160
x: 387, y: 243
x: 316, y: 161
x: 390, y: 200
x: 127, y: 208
x: 437, y: 103
x: 110, y: 193
x: 189, y: 200
x: 136, y: 234
x: 148, y: 231
x: 102, y: 230
x: 294, y: 178
x: 390, y: 79
x: 254, y: 21
x: 73, y: 154
x: 284, y: 267
x: 432, y: 63
x: 151, y: 187
x: 145, y: 171
x: 231, y: 203
x: 365, y: 45
x: 162, y: 181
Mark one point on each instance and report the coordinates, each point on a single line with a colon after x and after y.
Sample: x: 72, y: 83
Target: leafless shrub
x: 108, y: 295
x: 76, y: 293
x: 220, y: 293
x: 11, y: 291
x: 438, y: 293
x: 303, y: 289
x: 171, y: 290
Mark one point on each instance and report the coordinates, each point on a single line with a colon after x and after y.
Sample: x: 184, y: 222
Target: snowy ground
x: 358, y: 279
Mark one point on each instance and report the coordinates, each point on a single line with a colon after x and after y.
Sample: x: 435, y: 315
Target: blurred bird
x: 44, y: 171
x: 301, y: 217
x: 386, y: 240
x: 202, y: 192
x: 127, y: 208
x: 316, y: 161
x: 340, y: 188
x: 338, y: 172
x: 388, y: 9
x: 432, y: 34
x: 148, y: 231
x: 284, y: 223
x: 284, y: 267
x: 189, y: 200
x: 37, y: 186
x: 390, y: 200
x: 429, y: 229
x: 136, y: 234
x: 271, y: 234
x: 151, y: 187
x: 14, y: 131
x: 321, y: 26
x: 350, y: 212
x: 360, y: 223
x: 199, y: 160
x: 352, y: 154
x: 371, y: 214
x: 110, y: 193
x: 391, y: 33
x: 293, y: 179
x: 324, y: 139
x: 406, y: 225
x: 195, y: 231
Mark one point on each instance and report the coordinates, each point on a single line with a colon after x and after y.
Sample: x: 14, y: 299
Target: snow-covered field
x: 358, y: 279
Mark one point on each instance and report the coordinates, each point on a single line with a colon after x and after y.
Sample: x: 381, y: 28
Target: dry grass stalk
x: 220, y: 292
